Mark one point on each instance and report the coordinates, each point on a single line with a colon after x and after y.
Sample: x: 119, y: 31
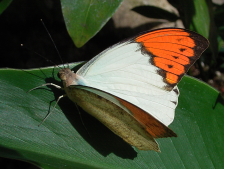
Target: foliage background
x: 20, y: 24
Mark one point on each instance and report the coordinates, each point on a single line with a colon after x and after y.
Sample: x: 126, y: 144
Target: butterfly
x: 131, y: 87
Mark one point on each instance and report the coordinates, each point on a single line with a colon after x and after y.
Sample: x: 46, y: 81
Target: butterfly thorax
x: 69, y: 78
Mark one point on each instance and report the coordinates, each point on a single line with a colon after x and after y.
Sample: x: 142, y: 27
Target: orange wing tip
x: 169, y: 65
x: 169, y: 79
x: 171, y: 55
x: 172, y: 78
x: 160, y: 33
x: 173, y: 51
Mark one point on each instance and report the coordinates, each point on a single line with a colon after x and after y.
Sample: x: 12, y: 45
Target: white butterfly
x: 131, y: 86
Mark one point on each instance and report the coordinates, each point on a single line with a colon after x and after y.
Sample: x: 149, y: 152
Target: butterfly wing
x: 144, y: 70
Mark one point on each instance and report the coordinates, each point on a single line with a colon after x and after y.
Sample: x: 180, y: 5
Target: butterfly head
x: 69, y: 78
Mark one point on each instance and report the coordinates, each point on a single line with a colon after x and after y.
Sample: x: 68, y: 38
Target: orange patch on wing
x: 154, y: 127
x: 172, y: 50
x: 169, y: 65
x: 161, y: 33
x: 172, y: 78
x: 177, y: 49
x: 171, y: 55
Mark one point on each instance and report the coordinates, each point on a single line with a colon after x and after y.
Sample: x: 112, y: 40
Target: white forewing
x: 122, y: 70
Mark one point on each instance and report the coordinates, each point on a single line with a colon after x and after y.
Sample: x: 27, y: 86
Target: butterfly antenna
x: 52, y: 41
x: 33, y: 74
x: 82, y: 120
x: 51, y: 110
x: 22, y: 45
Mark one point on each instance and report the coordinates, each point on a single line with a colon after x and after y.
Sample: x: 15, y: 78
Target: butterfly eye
x: 59, y: 75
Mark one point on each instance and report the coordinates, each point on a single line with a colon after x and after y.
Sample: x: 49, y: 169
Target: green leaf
x: 84, y: 18
x: 68, y: 139
x: 196, y: 16
x: 155, y: 12
x: 4, y: 4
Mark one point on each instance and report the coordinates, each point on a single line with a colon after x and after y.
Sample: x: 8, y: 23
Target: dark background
x: 20, y: 24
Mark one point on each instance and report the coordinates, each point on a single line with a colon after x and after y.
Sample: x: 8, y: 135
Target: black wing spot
x: 182, y: 49
x: 179, y: 39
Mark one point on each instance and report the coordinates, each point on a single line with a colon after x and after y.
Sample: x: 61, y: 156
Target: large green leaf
x: 4, y: 4
x: 68, y: 139
x: 196, y: 16
x: 84, y: 18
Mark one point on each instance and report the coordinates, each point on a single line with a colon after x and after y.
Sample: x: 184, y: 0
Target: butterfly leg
x: 52, y: 109
x: 47, y: 84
